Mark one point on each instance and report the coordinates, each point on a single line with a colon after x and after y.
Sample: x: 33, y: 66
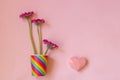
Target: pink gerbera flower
x: 27, y: 15
x: 38, y: 21
x: 50, y: 45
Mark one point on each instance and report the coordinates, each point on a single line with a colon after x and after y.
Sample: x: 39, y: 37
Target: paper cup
x: 39, y: 65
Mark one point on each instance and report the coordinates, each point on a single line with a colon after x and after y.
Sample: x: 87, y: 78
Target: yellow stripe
x: 44, y: 59
x: 38, y: 66
x: 34, y: 74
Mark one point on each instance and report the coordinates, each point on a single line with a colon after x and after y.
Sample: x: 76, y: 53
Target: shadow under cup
x: 39, y: 64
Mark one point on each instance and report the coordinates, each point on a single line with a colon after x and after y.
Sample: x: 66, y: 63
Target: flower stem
x: 46, y: 51
x: 31, y: 36
x: 40, y: 39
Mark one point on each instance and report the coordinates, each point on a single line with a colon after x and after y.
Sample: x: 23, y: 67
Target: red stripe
x: 38, y: 74
x: 39, y: 62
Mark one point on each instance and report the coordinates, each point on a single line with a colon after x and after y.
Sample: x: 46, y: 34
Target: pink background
x: 89, y: 28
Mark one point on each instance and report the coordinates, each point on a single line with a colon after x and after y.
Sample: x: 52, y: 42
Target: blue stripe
x: 40, y: 58
x: 36, y: 68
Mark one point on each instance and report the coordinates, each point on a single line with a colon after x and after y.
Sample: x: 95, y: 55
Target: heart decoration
x: 78, y: 63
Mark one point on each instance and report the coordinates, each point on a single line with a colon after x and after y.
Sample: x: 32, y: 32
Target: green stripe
x: 40, y: 57
x: 37, y: 67
x: 33, y: 73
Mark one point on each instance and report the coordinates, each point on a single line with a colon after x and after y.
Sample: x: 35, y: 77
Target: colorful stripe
x: 39, y: 65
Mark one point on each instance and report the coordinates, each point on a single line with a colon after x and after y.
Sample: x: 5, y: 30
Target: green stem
x: 41, y: 46
x: 40, y: 39
x: 46, y: 51
x: 31, y: 36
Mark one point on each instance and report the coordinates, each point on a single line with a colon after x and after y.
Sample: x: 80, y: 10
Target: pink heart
x: 78, y: 63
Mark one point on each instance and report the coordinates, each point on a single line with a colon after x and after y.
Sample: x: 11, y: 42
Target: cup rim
x: 38, y: 55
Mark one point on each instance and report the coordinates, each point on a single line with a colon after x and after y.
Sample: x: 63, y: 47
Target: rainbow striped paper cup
x: 39, y: 65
